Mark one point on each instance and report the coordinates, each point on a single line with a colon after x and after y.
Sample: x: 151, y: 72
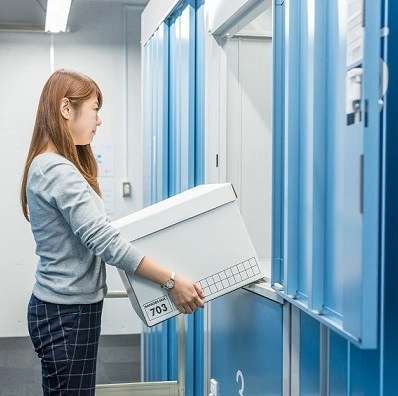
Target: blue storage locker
x: 155, y: 55
x: 174, y: 135
x: 348, y: 309
x: 157, y: 341
x: 246, y: 344
x: 334, y: 217
x: 326, y: 230
x: 389, y: 273
x: 329, y: 364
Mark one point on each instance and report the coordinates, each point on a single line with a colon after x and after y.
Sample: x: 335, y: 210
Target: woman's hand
x: 186, y: 295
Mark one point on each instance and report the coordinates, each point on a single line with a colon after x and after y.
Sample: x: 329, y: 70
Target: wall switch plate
x: 126, y: 189
x: 213, y: 387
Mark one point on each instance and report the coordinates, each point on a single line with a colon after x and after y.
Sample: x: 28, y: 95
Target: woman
x: 60, y: 196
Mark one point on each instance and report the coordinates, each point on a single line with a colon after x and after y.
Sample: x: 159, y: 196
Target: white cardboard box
x: 200, y: 234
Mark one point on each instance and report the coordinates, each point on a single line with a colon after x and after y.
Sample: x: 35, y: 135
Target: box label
x: 159, y: 307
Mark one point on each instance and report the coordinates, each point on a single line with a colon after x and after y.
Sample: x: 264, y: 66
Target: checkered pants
x: 66, y: 337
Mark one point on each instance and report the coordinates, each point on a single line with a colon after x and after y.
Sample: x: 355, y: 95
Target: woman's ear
x: 65, y: 108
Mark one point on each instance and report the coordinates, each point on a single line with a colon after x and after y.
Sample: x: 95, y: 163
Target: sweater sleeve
x: 66, y: 190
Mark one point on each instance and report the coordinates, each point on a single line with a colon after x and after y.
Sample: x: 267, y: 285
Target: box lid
x: 174, y: 210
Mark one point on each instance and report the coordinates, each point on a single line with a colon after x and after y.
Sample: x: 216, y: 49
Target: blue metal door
x: 246, y: 345
x: 327, y: 162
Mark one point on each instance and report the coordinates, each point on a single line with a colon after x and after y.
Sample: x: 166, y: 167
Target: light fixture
x: 57, y: 15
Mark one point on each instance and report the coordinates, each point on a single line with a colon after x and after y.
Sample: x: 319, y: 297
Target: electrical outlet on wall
x: 213, y: 387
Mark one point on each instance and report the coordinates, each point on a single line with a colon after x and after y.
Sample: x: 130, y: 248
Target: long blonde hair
x: 50, y: 126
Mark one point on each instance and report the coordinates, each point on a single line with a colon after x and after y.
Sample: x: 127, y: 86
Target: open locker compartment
x: 239, y: 131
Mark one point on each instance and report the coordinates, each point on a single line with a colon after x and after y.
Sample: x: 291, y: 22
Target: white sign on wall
x: 104, y: 153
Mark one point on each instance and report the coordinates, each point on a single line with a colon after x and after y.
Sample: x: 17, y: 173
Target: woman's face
x: 83, y: 125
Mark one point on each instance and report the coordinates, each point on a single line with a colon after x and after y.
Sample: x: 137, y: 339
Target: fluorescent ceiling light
x: 57, y: 15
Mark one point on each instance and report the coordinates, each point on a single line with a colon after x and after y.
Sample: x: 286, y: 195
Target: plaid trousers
x: 66, y: 337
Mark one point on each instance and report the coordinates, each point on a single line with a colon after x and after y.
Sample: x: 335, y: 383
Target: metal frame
x: 166, y: 388
x: 160, y: 388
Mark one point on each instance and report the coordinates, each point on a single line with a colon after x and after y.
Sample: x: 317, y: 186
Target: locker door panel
x: 173, y: 127
x: 338, y: 365
x: 155, y: 115
x: 246, y: 344
x: 156, y: 345
x: 182, y: 99
x: 327, y: 162
x: 309, y: 356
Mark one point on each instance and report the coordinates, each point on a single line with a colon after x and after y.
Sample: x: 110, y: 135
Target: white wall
x: 99, y: 46
x: 239, y: 115
x: 249, y: 136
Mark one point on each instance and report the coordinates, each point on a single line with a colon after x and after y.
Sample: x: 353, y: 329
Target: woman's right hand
x: 186, y: 295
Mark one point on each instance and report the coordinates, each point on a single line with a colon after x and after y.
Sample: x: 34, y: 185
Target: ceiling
x: 33, y: 12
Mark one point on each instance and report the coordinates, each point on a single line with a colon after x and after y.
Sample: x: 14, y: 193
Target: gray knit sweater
x: 73, y: 234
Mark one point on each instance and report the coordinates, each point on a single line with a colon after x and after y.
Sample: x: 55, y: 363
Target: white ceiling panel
x: 33, y: 12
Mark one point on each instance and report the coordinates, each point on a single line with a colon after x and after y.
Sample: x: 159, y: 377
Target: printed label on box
x: 159, y: 307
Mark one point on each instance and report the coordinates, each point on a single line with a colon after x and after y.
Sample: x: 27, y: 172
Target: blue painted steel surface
x: 389, y: 275
x: 155, y: 122
x: 290, y: 114
x: 363, y: 374
x: 170, y: 352
x: 246, y: 344
x: 350, y: 280
x: 155, y: 115
x: 175, y: 111
x: 197, y: 358
x: 362, y: 273
x: 156, y: 348
x: 335, y: 260
x: 278, y: 126
x: 312, y: 145
x: 338, y: 365
x: 331, y: 208
x: 185, y: 148
x: 309, y: 356
x: 200, y: 35
x: 182, y: 98
x: 350, y: 370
